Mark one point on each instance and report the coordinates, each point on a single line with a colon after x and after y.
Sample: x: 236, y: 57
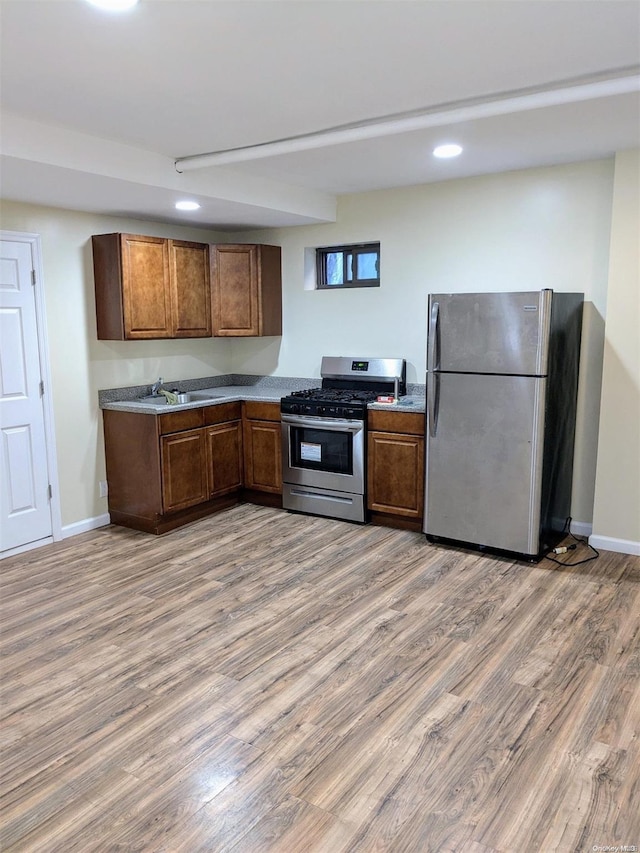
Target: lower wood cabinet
x: 166, y: 470
x: 262, y: 441
x: 224, y: 458
x: 395, y: 468
x: 184, y: 469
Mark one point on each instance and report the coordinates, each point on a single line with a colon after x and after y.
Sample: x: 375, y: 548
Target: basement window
x: 352, y: 265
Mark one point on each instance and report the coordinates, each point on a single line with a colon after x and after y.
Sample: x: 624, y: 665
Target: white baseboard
x: 605, y: 543
x: 28, y: 547
x: 578, y: 528
x: 70, y: 530
x: 620, y: 546
x: 85, y: 525
x: 581, y: 528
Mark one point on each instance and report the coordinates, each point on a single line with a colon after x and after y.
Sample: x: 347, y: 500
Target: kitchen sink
x: 187, y: 397
x: 151, y: 401
x: 203, y: 395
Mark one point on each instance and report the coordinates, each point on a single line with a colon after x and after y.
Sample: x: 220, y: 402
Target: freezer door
x: 489, y: 332
x: 484, y: 462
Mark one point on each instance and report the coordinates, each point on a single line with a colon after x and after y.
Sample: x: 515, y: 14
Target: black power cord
x: 571, y: 547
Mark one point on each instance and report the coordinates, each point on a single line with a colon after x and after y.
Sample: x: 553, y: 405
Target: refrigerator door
x: 484, y: 461
x: 504, y: 333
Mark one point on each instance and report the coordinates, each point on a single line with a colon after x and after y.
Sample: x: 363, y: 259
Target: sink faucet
x: 156, y: 387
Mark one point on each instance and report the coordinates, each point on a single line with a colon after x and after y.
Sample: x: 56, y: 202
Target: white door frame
x: 47, y: 403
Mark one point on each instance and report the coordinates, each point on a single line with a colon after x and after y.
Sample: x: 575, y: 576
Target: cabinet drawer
x: 410, y: 423
x: 221, y: 413
x: 176, y: 421
x: 261, y: 411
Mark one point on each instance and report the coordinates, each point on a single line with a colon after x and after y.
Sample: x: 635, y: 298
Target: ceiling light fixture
x: 504, y: 103
x: 113, y: 5
x: 446, y: 151
x: 187, y: 205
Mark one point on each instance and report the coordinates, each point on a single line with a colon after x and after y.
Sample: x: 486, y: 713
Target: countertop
x: 410, y: 403
x: 233, y: 393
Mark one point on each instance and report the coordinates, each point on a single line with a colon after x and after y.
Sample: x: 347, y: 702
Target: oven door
x: 323, y: 452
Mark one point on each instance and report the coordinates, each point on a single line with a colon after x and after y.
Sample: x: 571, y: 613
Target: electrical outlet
x: 104, y: 488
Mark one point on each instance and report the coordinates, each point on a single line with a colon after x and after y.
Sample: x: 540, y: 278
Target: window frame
x: 346, y: 249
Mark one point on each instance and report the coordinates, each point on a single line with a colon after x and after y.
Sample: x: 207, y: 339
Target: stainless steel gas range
x: 324, y: 435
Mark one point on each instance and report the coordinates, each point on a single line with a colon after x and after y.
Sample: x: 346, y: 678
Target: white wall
x: 522, y: 230
x: 516, y: 231
x: 616, y: 520
x: 80, y: 364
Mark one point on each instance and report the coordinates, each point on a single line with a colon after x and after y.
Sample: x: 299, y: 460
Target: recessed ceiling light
x: 113, y: 5
x: 187, y: 205
x: 450, y: 150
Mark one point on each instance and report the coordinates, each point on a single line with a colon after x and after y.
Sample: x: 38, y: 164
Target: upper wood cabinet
x: 151, y: 287
x: 246, y: 289
x: 190, y: 286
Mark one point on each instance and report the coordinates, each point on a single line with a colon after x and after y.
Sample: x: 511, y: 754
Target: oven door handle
x: 332, y: 424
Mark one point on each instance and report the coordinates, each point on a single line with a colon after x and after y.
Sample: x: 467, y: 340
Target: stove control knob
x: 294, y: 407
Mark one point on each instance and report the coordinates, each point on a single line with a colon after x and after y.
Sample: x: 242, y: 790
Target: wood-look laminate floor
x: 260, y: 681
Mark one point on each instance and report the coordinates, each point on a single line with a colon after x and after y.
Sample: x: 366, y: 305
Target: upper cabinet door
x: 246, y: 290
x: 145, y: 287
x: 235, y: 290
x: 190, y: 289
x: 151, y: 287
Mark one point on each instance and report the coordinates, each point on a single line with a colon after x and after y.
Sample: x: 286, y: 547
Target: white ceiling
x: 97, y: 107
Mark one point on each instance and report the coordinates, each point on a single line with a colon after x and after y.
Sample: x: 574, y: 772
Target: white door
x: 25, y: 508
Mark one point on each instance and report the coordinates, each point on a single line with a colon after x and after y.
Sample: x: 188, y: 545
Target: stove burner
x: 336, y: 395
x: 347, y: 388
x: 307, y: 393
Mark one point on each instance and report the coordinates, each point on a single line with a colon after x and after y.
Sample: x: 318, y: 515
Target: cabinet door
x: 184, y: 469
x: 224, y: 457
x: 145, y: 287
x: 263, y: 456
x: 396, y: 473
x: 235, y: 290
x: 190, y: 289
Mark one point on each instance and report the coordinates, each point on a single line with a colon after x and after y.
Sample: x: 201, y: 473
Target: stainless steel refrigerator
x: 502, y: 382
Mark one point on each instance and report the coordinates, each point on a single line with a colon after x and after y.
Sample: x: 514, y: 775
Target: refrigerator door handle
x: 433, y: 393
x: 434, y: 331
x: 433, y: 359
